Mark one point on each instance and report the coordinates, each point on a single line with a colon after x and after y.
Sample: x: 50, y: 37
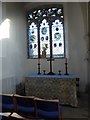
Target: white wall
x: 0, y: 49
x: 13, y: 47
x: 15, y: 65
x: 75, y: 32
x: 77, y: 27
x: 89, y: 45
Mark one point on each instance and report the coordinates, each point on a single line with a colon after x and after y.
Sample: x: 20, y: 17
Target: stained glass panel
x: 33, y: 41
x: 49, y: 33
x: 44, y: 38
x: 57, y: 39
x: 45, y: 12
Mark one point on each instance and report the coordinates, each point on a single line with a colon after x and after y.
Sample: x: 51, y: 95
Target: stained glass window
x: 33, y: 41
x: 57, y: 39
x: 46, y: 33
x: 44, y: 38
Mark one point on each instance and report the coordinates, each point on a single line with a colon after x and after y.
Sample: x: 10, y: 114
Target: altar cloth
x: 62, y: 87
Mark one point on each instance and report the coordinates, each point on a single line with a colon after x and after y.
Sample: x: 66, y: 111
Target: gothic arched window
x: 46, y: 33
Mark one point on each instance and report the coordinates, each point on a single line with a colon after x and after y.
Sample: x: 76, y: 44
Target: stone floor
x: 81, y: 112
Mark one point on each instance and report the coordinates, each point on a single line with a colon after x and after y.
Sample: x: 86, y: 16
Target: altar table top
x: 51, y: 76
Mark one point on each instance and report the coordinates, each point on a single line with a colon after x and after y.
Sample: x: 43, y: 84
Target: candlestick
x: 66, y: 72
x: 51, y: 59
x: 39, y: 66
x: 65, y: 60
x: 39, y: 61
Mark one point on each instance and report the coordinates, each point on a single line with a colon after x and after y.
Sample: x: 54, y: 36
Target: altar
x: 62, y: 87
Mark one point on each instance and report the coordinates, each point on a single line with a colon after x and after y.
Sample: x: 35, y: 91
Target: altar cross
x: 50, y: 67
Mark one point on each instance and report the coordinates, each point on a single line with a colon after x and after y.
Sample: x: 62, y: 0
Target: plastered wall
x: 14, y: 48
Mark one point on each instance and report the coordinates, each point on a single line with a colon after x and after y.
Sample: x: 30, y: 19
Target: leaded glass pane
x: 57, y: 39
x: 51, y: 38
x: 59, y: 11
x: 45, y: 12
x: 44, y: 38
x: 33, y: 41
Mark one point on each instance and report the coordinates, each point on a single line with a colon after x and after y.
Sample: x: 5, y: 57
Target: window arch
x: 46, y: 32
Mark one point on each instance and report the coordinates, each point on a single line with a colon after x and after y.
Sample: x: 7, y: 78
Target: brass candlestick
x: 39, y: 68
x: 66, y: 69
